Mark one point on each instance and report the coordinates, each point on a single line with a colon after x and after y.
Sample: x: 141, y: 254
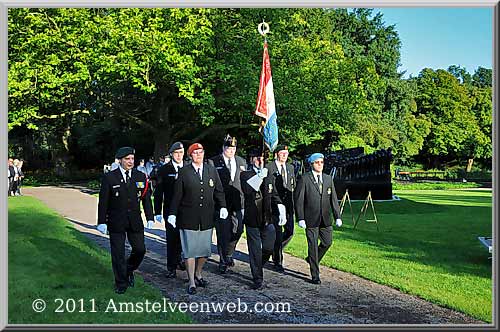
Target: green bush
x: 94, y: 184
x: 50, y: 177
x: 432, y: 185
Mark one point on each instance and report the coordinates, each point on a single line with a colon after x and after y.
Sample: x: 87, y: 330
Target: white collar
x: 278, y: 164
x: 196, y: 167
x: 233, y: 160
x: 176, y: 165
x: 123, y: 172
x: 315, y: 175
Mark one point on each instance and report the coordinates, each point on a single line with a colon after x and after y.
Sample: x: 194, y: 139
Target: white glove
x: 171, y: 220
x: 103, y: 228
x: 242, y: 213
x: 150, y: 224
x: 282, y: 219
x: 223, y: 213
x: 159, y: 218
x: 302, y: 223
x: 263, y: 173
x: 338, y: 222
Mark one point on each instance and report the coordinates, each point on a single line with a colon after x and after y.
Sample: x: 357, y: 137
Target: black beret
x: 175, y: 146
x: 255, y: 152
x: 124, y: 151
x: 230, y: 141
x: 280, y: 148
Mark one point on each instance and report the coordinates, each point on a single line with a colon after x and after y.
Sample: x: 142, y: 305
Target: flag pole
x: 263, y: 29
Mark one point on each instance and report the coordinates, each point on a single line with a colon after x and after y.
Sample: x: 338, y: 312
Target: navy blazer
x: 119, y: 204
x: 285, y: 192
x: 164, y: 190
x: 194, y: 201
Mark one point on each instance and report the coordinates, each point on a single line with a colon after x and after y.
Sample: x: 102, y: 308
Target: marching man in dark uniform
x: 259, y: 194
x: 315, y: 197
x: 167, y: 174
x: 229, y: 166
x: 197, y: 191
x: 119, y: 213
x: 283, y: 177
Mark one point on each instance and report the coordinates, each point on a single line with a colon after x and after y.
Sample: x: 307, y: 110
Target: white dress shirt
x: 233, y: 166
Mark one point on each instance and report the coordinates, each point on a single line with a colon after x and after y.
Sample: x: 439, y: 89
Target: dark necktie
x: 127, y: 177
x: 283, y: 172
x: 229, y: 166
x: 199, y: 174
x: 320, y: 184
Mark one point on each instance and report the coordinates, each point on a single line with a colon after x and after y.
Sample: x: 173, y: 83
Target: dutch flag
x: 265, y: 103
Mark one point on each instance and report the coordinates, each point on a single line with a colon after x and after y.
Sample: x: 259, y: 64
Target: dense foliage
x: 85, y: 81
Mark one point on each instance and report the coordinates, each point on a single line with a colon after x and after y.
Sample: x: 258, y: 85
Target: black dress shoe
x: 257, y: 286
x: 279, y: 268
x: 170, y: 274
x: 131, y: 280
x: 191, y: 290
x: 230, y: 261
x: 120, y: 290
x: 200, y: 282
x: 222, y: 269
x: 181, y: 266
x: 316, y: 281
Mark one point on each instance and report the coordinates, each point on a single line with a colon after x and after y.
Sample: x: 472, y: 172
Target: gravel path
x: 342, y: 298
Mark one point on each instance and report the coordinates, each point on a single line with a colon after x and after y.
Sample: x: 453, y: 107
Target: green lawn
x: 427, y: 246
x: 49, y: 259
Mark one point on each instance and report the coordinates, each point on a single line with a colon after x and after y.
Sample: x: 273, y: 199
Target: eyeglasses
x: 198, y: 152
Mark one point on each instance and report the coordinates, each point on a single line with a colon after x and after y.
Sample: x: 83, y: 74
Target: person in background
x: 141, y: 167
x: 11, y: 174
x: 15, y: 182
x: 150, y: 164
x: 115, y: 164
x: 21, y: 177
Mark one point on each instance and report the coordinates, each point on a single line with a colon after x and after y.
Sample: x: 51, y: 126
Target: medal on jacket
x: 211, y: 183
x: 270, y: 188
x: 329, y: 191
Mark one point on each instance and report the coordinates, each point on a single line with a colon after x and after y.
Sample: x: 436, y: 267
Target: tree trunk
x: 469, y: 165
x: 162, y: 143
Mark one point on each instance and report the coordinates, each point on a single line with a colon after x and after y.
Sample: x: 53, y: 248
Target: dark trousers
x: 174, y: 248
x: 316, y: 252
x: 11, y: 181
x: 260, y: 243
x: 122, y: 268
x: 226, y: 238
x: 13, y: 187
x: 283, y: 236
x: 19, y: 184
